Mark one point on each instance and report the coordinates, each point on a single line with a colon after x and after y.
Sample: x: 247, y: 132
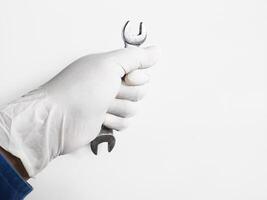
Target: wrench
x: 130, y: 39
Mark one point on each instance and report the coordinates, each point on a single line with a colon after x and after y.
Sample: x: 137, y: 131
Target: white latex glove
x: 67, y: 112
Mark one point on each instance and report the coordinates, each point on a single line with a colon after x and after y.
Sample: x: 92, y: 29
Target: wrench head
x: 109, y: 138
x: 131, y: 37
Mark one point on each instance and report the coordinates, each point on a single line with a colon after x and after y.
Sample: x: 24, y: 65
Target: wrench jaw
x: 111, y: 143
x: 134, y: 39
x: 109, y: 138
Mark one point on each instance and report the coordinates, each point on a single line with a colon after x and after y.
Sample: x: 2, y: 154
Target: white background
x: 201, y: 132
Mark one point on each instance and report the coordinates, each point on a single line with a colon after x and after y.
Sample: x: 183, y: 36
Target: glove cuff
x: 27, y: 130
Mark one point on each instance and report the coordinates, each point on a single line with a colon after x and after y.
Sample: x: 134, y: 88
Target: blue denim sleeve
x: 12, y: 185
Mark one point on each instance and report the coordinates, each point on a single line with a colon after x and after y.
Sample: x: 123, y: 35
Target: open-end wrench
x: 133, y: 39
x: 130, y: 39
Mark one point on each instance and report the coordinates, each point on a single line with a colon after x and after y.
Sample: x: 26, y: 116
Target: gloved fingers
x: 137, y: 77
x: 132, y: 93
x: 115, y: 122
x: 122, y: 108
x: 135, y: 57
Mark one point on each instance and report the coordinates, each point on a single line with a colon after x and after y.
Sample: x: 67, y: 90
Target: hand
x: 67, y: 112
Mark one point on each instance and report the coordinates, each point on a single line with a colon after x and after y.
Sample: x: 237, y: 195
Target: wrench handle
x: 105, y: 131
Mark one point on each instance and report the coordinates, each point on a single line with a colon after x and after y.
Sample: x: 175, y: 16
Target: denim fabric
x: 12, y: 186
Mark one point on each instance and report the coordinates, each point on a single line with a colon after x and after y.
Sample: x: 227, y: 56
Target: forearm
x: 16, y: 163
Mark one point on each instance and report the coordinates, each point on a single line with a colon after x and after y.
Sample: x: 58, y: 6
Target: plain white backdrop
x: 201, y: 133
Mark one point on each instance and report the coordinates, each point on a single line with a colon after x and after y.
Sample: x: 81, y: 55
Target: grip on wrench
x: 106, y: 134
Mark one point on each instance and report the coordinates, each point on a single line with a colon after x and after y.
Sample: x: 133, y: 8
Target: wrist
x: 15, y: 163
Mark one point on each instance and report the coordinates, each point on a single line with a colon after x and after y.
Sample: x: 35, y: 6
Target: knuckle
x: 138, y: 95
x: 128, y: 109
x: 123, y: 124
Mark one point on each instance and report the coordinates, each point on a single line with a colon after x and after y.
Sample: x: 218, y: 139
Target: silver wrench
x: 130, y: 39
